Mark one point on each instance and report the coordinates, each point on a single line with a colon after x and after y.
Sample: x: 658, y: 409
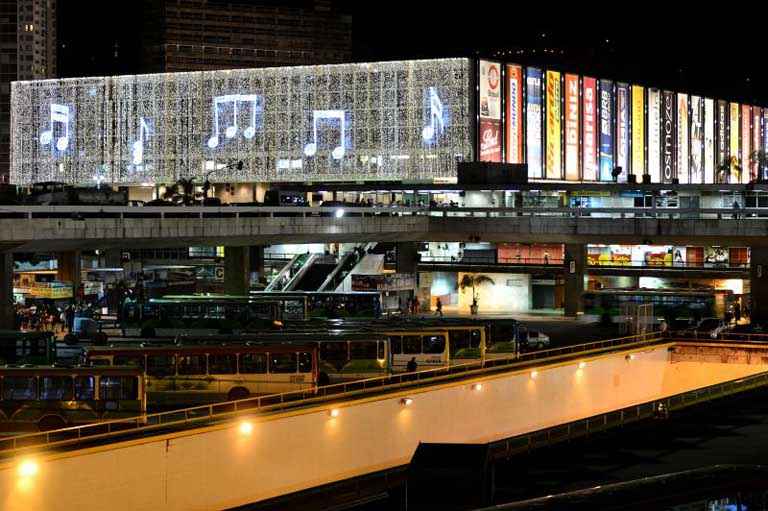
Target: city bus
x: 27, y: 347
x: 191, y: 374
x: 50, y: 397
x: 332, y: 304
x: 669, y: 304
x: 191, y: 315
x: 291, y: 306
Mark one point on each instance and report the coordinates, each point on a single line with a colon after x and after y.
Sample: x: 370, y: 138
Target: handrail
x: 294, y: 399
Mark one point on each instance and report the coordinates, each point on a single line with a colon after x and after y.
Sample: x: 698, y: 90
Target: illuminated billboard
x: 638, y: 130
x: 654, y: 135
x: 554, y: 167
x: 757, y: 114
x: 572, y: 127
x: 723, y: 161
x: 589, y: 108
x: 514, y: 121
x: 697, y: 140
x: 746, y: 142
x: 622, y: 130
x: 490, y: 111
x: 735, y: 147
x: 390, y: 120
x: 709, y: 140
x: 606, y: 130
x: 534, y: 133
x: 682, y: 139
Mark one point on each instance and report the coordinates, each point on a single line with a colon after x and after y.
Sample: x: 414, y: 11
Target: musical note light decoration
x: 285, y: 124
x: 59, y: 117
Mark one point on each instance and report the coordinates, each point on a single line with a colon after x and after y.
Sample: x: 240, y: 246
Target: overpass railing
x: 339, y: 212
x: 188, y: 417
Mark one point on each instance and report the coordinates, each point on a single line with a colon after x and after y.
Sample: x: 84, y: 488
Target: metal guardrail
x: 296, y: 399
x: 339, y: 212
x: 597, y: 423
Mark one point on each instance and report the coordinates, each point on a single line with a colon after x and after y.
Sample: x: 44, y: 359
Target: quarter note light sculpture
x: 436, y: 124
x: 138, y: 145
x: 59, y: 115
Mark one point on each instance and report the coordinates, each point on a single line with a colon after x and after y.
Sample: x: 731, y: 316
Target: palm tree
x: 474, y: 282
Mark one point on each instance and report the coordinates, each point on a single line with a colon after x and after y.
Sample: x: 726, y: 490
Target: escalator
x: 345, y: 267
x: 313, y: 274
x: 289, y: 271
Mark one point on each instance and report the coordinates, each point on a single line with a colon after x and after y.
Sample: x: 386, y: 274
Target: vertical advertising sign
x: 514, y: 122
x: 533, y: 122
x: 654, y: 135
x: 709, y: 140
x: 697, y: 140
x: 746, y: 142
x: 682, y: 139
x: 638, y: 130
x: 572, y: 127
x: 757, y: 114
x: 589, y: 144
x: 668, y: 132
x: 490, y: 111
x: 722, y: 162
x: 554, y: 168
x: 735, y: 153
x: 764, y: 125
x: 606, y: 130
x: 622, y: 130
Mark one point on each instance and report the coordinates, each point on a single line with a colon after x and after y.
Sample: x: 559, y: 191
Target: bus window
x: 395, y: 345
x: 19, y: 387
x: 253, y: 363
x: 85, y: 389
x: 129, y: 360
x: 433, y: 344
x: 99, y: 361
x: 116, y: 388
x: 56, y: 388
x: 223, y: 364
x: 459, y: 340
x: 411, y: 344
x: 474, y: 338
x: 362, y: 350
x: 334, y: 351
x: 305, y: 362
x: 160, y: 365
x: 282, y: 363
x: 192, y: 365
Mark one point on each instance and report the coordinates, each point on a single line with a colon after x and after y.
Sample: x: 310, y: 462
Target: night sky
x: 659, y: 46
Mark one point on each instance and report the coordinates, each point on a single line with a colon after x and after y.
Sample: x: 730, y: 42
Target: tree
x: 474, y: 282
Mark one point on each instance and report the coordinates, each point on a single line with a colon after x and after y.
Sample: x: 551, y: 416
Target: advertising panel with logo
x: 722, y: 161
x: 622, y: 130
x: 682, y: 138
x: 757, y: 114
x: 668, y: 132
x: 709, y: 140
x: 533, y: 122
x: 746, y: 142
x: 490, y: 111
x: 572, y: 125
x: 735, y: 153
x: 554, y: 161
x: 654, y: 135
x: 606, y: 130
x: 764, y: 124
x: 638, y: 131
x: 697, y: 140
x: 514, y: 122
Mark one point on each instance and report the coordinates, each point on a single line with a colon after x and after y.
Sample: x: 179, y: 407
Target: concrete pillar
x: 405, y: 257
x: 69, y: 269
x: 256, y: 259
x: 6, y: 292
x: 237, y: 276
x: 759, y: 284
x: 575, y: 259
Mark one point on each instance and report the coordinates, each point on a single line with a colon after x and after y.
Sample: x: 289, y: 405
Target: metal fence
x: 194, y: 416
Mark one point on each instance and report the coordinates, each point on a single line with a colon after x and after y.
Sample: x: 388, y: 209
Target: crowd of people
x: 50, y: 318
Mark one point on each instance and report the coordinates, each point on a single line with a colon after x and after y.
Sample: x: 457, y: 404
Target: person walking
x: 411, y: 366
x: 439, y: 308
x: 416, y: 305
x: 736, y: 209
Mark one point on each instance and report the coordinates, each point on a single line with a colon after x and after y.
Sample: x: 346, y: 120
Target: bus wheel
x: 323, y: 379
x: 51, y: 422
x: 238, y: 393
x: 147, y: 332
x: 71, y: 339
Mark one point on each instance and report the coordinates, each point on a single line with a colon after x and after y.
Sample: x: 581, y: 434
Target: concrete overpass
x: 236, y: 458
x: 36, y: 228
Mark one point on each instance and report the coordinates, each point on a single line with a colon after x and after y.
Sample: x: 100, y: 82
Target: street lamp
x: 207, y: 184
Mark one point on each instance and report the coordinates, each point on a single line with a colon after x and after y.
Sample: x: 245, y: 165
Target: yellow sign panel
x: 554, y: 143
x: 638, y: 130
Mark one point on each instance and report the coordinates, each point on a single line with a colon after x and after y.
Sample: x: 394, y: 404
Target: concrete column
x: 7, y: 319
x: 237, y: 277
x: 759, y: 284
x: 575, y: 258
x: 405, y: 257
x: 69, y: 268
x: 256, y: 259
